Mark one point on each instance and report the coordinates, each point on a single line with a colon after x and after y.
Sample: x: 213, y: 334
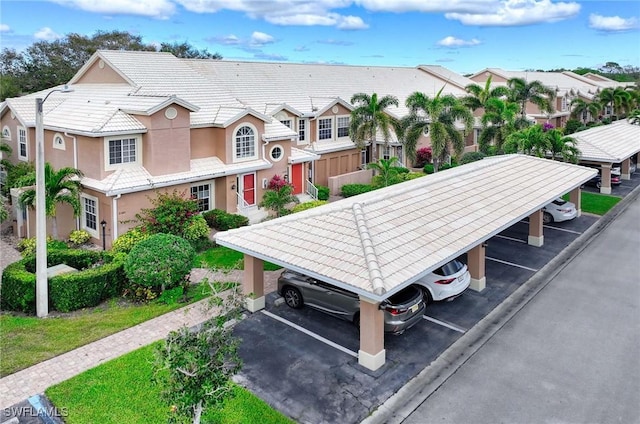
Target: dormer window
x: 122, y: 151
x: 244, y: 146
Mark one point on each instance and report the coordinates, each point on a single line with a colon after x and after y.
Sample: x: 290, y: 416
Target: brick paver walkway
x: 19, y: 386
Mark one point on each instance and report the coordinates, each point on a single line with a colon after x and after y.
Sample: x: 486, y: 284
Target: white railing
x: 311, y: 190
x: 242, y: 204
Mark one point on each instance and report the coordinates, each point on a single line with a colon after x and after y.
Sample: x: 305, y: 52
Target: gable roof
x: 379, y: 242
x: 609, y: 143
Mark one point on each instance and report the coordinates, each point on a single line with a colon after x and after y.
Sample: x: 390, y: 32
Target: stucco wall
x: 357, y: 177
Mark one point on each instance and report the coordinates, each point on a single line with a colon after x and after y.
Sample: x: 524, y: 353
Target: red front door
x: 249, y: 188
x: 297, y: 179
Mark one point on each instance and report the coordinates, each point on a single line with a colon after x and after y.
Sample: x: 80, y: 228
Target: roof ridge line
x: 370, y: 257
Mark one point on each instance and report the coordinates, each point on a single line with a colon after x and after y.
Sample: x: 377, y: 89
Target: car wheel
x: 598, y: 185
x: 547, y: 218
x: 426, y: 295
x: 292, y: 297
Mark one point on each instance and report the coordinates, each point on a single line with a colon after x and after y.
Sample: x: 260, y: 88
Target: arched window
x: 245, y: 143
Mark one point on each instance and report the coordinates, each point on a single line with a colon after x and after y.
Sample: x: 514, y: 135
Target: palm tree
x: 498, y: 122
x: 535, y: 92
x: 478, y: 96
x: 62, y: 186
x: 386, y: 169
x: 619, y: 99
x: 369, y: 117
x: 562, y: 146
x: 634, y: 117
x: 438, y: 117
x: 580, y: 106
x: 529, y: 141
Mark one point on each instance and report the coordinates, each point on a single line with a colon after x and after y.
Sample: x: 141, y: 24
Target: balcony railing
x: 311, y: 190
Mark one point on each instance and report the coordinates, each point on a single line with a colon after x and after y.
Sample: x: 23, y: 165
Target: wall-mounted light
x: 286, y: 177
x: 103, y: 223
x: 233, y: 187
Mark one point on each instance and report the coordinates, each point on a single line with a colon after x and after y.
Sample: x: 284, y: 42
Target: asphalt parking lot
x: 623, y: 189
x: 304, y: 363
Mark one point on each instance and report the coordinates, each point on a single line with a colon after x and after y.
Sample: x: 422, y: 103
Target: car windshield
x: 449, y: 268
x: 404, y: 296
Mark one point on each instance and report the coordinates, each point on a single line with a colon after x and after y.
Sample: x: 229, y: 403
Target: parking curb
x: 406, y: 400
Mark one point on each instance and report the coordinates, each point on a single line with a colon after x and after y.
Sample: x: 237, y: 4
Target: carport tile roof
x: 402, y: 232
x: 609, y: 143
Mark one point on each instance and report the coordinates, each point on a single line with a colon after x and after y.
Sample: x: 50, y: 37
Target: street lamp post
x: 42, y: 289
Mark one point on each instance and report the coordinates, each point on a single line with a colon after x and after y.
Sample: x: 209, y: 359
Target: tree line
x: 45, y: 64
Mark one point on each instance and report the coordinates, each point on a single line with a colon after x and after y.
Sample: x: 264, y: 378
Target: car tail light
x: 395, y: 311
x: 445, y: 281
x: 565, y: 210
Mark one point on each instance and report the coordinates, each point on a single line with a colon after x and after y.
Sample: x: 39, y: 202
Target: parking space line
x: 311, y: 333
x: 510, y: 238
x: 563, y: 229
x: 445, y: 324
x: 511, y: 263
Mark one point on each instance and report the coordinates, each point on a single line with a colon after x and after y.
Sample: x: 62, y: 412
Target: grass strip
x: 222, y: 257
x: 595, y: 203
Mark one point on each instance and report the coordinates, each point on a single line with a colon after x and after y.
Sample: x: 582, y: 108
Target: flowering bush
x: 277, y: 182
x: 278, y: 195
x: 78, y: 237
x: 172, y: 214
x: 547, y: 126
x: 423, y: 156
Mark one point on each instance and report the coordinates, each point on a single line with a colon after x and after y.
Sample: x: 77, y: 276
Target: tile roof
x: 377, y: 243
x: 609, y: 143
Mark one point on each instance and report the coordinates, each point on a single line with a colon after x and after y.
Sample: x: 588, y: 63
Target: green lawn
x: 27, y: 340
x: 222, y: 257
x: 596, y: 203
x: 120, y: 391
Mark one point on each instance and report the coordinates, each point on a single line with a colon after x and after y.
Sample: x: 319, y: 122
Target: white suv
x: 446, y: 282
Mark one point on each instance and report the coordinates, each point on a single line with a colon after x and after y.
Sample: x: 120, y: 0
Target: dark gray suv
x: 401, y: 311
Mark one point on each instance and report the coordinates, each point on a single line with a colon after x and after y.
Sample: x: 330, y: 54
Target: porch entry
x: 297, y: 178
x: 247, y: 186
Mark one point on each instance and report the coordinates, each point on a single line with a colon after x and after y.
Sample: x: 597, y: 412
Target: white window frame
x: 363, y: 159
x: 386, y: 152
x: 6, y: 133
x: 210, y: 197
x: 235, y: 143
x: 108, y: 166
x: 338, y: 127
x: 273, y: 149
x: 60, y: 145
x: 23, y: 141
x: 319, y: 129
x: 83, y: 220
x: 303, y: 127
x: 563, y: 104
x: 286, y: 122
x: 399, y: 154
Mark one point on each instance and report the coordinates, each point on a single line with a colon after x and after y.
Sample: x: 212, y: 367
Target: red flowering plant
x: 278, y: 195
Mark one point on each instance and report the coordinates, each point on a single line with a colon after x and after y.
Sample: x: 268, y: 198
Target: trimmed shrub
x: 323, y: 193
x: 428, y: 168
x: 349, y: 190
x: 197, y: 228
x: 423, y: 156
x: 160, y: 262
x: 27, y: 246
x: 308, y: 205
x: 127, y: 241
x: 171, y: 214
x: 18, y: 288
x: 445, y: 166
x: 471, y: 157
x: 222, y: 220
x: 79, y: 237
x: 99, y: 277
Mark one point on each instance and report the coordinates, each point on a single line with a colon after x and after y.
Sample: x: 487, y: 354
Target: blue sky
x: 465, y: 36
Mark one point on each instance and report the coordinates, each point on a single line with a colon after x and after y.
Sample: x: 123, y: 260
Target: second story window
x: 302, y: 130
x: 343, y: 126
x: 286, y: 122
x: 245, y: 143
x: 22, y: 144
x: 325, y: 129
x: 122, y: 151
x: 563, y: 105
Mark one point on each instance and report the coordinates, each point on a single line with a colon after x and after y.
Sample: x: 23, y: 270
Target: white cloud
x: 227, y: 40
x: 47, y: 34
x: 159, y: 9
x: 5, y: 28
x: 519, y: 12
x: 259, y: 39
x: 612, y: 23
x: 430, y: 6
x: 457, y: 42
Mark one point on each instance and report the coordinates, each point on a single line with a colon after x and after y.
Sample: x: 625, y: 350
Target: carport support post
x: 253, y: 283
x: 605, y: 187
x: 371, y: 354
x: 625, y: 169
x: 536, y: 237
x: 476, y: 265
x: 575, y: 197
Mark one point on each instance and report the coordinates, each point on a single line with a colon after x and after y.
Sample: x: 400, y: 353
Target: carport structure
x: 607, y: 145
x: 378, y: 243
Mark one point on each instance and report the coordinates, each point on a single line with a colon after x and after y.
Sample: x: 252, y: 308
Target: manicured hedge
x: 99, y: 278
x: 323, y: 193
x: 349, y: 190
x: 308, y: 205
x: 222, y: 220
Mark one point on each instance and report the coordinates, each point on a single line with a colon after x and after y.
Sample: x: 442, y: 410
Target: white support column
x: 372, y: 354
x: 536, y: 237
x: 253, y: 283
x: 476, y: 265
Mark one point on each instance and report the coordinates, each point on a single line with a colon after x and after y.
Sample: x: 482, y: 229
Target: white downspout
x: 114, y: 217
x: 75, y: 165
